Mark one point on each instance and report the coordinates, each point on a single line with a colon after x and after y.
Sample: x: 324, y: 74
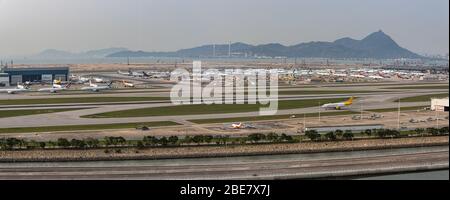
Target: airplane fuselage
x: 335, y: 106
x: 14, y: 90
x: 338, y: 106
x: 96, y: 88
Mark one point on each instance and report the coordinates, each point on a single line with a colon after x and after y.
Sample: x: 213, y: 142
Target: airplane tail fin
x: 25, y: 85
x: 68, y: 85
x: 349, y: 101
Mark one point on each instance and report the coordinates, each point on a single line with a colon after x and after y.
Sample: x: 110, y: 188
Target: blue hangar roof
x: 50, y: 70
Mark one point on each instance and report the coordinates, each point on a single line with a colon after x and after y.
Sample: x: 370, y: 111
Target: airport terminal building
x: 44, y: 75
x: 4, y: 79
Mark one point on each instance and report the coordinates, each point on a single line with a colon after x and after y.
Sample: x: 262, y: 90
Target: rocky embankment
x: 216, y: 151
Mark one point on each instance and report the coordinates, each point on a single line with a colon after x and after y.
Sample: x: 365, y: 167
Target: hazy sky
x: 29, y: 26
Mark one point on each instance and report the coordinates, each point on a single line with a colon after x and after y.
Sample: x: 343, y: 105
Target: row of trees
x: 432, y: 131
x: 152, y: 141
x: 147, y: 141
x: 332, y: 135
x: 380, y: 133
x: 271, y: 137
x: 14, y: 143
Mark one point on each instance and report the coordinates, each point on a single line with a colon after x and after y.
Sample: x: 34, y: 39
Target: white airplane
x: 128, y: 73
x: 97, y: 88
x: 340, y: 75
x: 57, y: 82
x: 79, y: 79
x: 19, y: 88
x: 55, y: 88
x: 127, y: 84
x: 98, y: 80
x: 158, y: 74
x: 358, y: 76
x: 338, y: 106
x: 237, y: 126
x: 376, y: 77
x: 138, y: 74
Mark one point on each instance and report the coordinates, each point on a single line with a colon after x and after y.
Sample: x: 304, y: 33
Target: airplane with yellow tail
x: 338, y: 106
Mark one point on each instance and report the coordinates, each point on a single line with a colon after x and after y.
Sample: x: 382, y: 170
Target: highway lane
x: 258, y: 167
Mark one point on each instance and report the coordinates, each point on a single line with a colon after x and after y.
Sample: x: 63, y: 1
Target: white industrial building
x: 439, y: 105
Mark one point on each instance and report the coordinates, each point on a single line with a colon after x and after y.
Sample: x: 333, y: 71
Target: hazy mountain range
x: 58, y: 54
x: 376, y: 45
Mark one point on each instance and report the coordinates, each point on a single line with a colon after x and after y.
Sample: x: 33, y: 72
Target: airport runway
x: 378, y: 96
x: 376, y: 101
x: 259, y: 167
x: 382, y: 98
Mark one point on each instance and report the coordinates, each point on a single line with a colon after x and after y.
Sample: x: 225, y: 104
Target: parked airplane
x: 146, y: 75
x: 19, y: 88
x: 57, y: 82
x: 128, y: 73
x: 159, y: 74
x: 338, y: 106
x: 137, y: 74
x: 97, y: 88
x: 127, y: 84
x: 376, y: 77
x: 140, y: 74
x: 55, y: 88
x: 237, y: 126
x: 98, y: 80
x: 79, y: 79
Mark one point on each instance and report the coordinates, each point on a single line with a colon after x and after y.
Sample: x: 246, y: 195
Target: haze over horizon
x: 168, y: 25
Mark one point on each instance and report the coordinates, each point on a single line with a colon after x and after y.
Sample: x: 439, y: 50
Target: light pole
x: 398, y: 124
x: 304, y: 122
x: 437, y: 117
x: 319, y: 113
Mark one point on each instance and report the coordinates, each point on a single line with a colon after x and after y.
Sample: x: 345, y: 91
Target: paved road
x: 270, y: 169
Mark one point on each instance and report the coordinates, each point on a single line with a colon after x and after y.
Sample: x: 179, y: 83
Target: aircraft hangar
x: 46, y: 75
